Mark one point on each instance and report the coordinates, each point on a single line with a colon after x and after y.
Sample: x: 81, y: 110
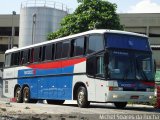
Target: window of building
x: 16, y: 31
x: 95, y: 43
x: 58, y: 50
x: 3, y: 48
x: 1, y: 64
x: 7, y: 31
x: 65, y: 49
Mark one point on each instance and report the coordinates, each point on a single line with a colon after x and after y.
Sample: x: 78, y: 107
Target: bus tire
x: 18, y: 95
x: 57, y: 102
x: 26, y: 95
x: 120, y: 105
x: 82, y: 100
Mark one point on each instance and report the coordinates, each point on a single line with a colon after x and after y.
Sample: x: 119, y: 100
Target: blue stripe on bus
x: 56, y: 87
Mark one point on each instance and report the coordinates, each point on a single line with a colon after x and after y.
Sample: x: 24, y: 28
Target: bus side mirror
x: 91, y: 66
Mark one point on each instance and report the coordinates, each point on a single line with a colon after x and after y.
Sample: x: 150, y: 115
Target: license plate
x: 134, y: 97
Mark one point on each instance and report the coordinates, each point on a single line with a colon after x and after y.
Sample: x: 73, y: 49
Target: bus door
x: 100, y: 81
x: 95, y: 71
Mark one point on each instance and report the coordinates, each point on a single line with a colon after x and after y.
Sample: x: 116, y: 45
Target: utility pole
x: 13, y: 30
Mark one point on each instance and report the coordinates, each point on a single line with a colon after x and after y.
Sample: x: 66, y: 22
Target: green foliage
x: 89, y: 15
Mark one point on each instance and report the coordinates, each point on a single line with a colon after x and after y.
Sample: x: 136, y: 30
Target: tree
x: 90, y: 14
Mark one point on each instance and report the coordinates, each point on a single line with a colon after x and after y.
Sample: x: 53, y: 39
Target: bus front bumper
x: 129, y: 96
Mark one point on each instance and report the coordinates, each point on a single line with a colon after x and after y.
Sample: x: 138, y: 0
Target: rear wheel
x: 82, y: 100
x: 58, y: 102
x: 26, y: 95
x: 120, y: 105
x: 18, y: 95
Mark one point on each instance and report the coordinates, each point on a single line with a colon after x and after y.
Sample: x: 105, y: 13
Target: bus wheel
x: 58, y: 102
x: 82, y: 100
x: 18, y: 95
x: 26, y: 95
x: 120, y: 105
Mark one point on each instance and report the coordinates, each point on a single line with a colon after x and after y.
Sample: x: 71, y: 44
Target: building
x: 6, y: 24
x: 145, y: 23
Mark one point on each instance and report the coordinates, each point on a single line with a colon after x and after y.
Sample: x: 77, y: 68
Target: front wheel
x: 82, y: 100
x: 120, y: 105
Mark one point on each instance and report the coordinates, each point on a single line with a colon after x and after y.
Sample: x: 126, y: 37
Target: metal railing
x: 45, y: 3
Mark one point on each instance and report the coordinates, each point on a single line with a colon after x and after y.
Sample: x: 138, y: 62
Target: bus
x: 106, y: 66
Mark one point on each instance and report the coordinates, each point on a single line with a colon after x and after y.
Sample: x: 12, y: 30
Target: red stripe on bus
x: 148, y: 83
x: 57, y: 64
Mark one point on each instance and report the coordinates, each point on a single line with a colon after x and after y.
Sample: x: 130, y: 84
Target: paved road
x: 70, y: 108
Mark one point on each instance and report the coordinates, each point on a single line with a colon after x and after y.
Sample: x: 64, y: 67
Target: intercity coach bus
x: 107, y: 66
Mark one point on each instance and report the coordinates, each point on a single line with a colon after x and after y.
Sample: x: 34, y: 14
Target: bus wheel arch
x: 81, y: 95
x: 18, y: 93
x: 75, y: 90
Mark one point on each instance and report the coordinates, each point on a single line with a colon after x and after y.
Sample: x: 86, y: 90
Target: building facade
x: 145, y: 23
x: 7, y: 23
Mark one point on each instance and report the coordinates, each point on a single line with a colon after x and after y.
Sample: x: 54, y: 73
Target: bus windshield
x: 130, y: 65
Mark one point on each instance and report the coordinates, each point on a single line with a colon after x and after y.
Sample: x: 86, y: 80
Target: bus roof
x: 100, y: 31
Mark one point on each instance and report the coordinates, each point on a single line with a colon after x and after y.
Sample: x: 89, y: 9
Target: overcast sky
x: 124, y: 6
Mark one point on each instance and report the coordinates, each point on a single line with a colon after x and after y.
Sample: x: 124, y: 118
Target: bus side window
x: 95, y: 43
x: 77, y: 47
x: 100, y: 66
x: 58, y: 53
x: 53, y: 51
x: 21, y: 61
x: 47, y: 52
x: 15, y: 58
x: 7, y: 60
x: 25, y: 57
x: 65, y: 49
x: 31, y: 56
x: 72, y: 48
x: 37, y: 54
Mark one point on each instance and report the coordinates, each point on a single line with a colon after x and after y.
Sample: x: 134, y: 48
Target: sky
x: 123, y: 6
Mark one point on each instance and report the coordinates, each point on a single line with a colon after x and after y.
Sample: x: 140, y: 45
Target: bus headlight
x: 150, y: 97
x: 111, y: 88
x: 149, y: 90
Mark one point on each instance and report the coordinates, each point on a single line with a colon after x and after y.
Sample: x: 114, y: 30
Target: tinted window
x: 24, y: 57
x: 15, y: 58
x: 37, y: 54
x: 77, y: 47
x: 65, y: 49
x: 95, y: 43
x: 58, y: 50
x: 48, y: 52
